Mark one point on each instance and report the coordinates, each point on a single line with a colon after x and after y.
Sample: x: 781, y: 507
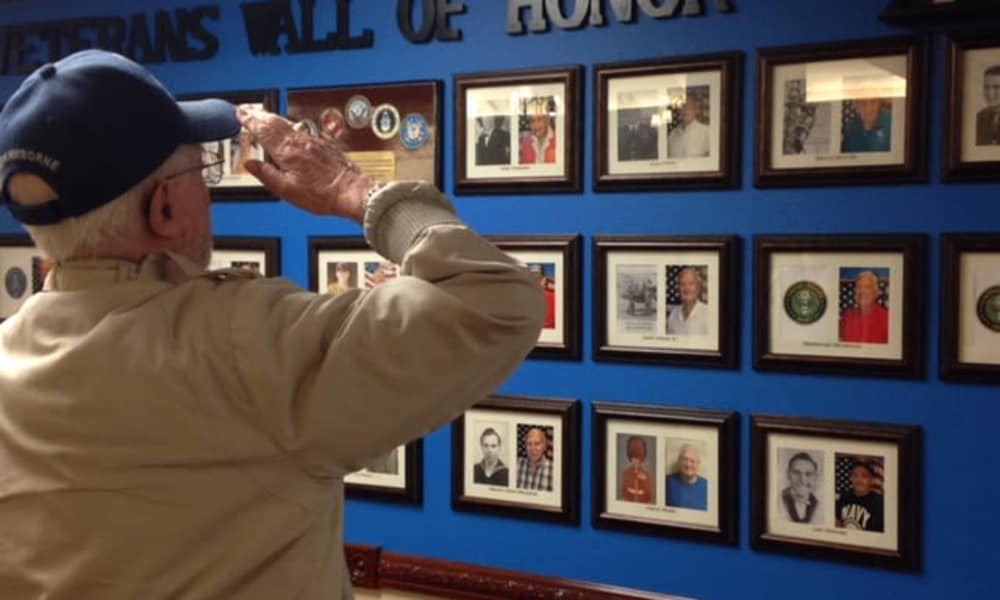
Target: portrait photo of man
x: 988, y: 119
x: 341, y: 276
x: 537, y: 130
x: 689, y: 135
x: 491, y: 470
x: 686, y: 297
x: 545, y: 274
x: 799, y: 499
x: 637, y: 136
x: 864, y: 317
x: 686, y: 488
x: 493, y: 141
x: 860, y: 501
x: 534, y: 458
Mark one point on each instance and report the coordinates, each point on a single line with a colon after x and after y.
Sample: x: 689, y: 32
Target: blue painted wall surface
x: 960, y: 523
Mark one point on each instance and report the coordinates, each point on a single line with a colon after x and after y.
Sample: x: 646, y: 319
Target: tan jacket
x: 165, y: 440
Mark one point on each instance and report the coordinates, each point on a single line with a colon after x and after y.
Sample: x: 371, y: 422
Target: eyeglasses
x: 210, y: 160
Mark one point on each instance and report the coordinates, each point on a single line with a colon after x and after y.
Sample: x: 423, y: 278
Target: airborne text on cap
x: 32, y: 156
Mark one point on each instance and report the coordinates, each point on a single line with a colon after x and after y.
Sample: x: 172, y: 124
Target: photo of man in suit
x: 493, y: 143
x: 636, y: 134
x: 988, y: 119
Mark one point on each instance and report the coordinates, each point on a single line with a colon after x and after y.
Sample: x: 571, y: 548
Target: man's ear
x: 163, y: 221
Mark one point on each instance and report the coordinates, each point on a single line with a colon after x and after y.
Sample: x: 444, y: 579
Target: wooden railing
x: 371, y: 567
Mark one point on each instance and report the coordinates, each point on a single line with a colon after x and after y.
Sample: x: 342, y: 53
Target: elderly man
x: 861, y: 507
x: 686, y: 488
x: 534, y: 470
x: 169, y: 432
x: 867, y: 321
x: 988, y: 119
x: 538, y: 145
x: 690, y: 138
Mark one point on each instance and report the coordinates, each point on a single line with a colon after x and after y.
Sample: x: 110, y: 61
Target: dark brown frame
x: 413, y: 490
x: 269, y: 97
x: 570, y: 246
x: 913, y: 249
x: 730, y: 66
x: 727, y: 425
x: 953, y: 246
x: 955, y: 168
x: 365, y: 89
x: 908, y: 440
x: 914, y: 165
x: 569, y: 412
x: 729, y: 251
x: 15, y: 241
x: 270, y: 246
x: 572, y: 78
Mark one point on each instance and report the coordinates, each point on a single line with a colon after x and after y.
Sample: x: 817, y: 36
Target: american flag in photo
x: 378, y: 272
x: 848, y: 281
x: 845, y: 464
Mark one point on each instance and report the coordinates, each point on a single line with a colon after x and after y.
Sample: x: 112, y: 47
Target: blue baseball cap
x: 92, y: 126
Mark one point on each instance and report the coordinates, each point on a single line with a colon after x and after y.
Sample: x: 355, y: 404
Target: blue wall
x: 961, y: 496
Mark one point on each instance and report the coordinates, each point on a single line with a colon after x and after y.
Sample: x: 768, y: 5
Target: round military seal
x: 805, y: 302
x: 988, y: 308
x: 16, y: 282
x: 415, y: 132
x: 358, y: 111
x: 385, y: 121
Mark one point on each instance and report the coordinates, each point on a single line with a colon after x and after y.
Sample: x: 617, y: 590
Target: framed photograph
x: 556, y: 262
x: 973, y: 130
x: 970, y: 308
x: 261, y: 255
x: 24, y: 268
x: 842, y: 114
x: 669, y: 300
x: 340, y: 264
x: 230, y: 180
x: 837, y: 490
x: 669, y: 471
x: 669, y: 124
x: 391, y: 130
x: 841, y: 304
x: 519, y: 132
x: 396, y: 476
x: 518, y: 456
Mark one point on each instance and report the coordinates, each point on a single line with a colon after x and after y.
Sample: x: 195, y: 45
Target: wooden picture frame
x: 837, y: 490
x: 391, y: 130
x: 396, y: 476
x: 640, y: 310
x: 23, y: 268
x: 490, y: 106
x: 636, y: 489
x: 642, y: 142
x: 842, y: 114
x: 518, y: 430
x: 557, y: 261
x: 972, y: 138
x: 259, y: 254
x: 970, y: 307
x: 228, y: 181
x: 876, y: 329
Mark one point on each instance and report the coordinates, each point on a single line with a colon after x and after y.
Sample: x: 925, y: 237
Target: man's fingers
x: 267, y: 128
x: 273, y: 178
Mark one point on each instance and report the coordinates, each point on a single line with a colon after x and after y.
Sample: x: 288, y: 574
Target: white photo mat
x: 825, y: 529
x: 821, y: 338
x: 978, y: 271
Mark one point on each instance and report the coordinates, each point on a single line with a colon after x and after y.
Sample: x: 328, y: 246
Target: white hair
x: 82, y: 236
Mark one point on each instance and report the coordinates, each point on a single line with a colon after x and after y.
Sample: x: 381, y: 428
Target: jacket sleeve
x: 338, y: 380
